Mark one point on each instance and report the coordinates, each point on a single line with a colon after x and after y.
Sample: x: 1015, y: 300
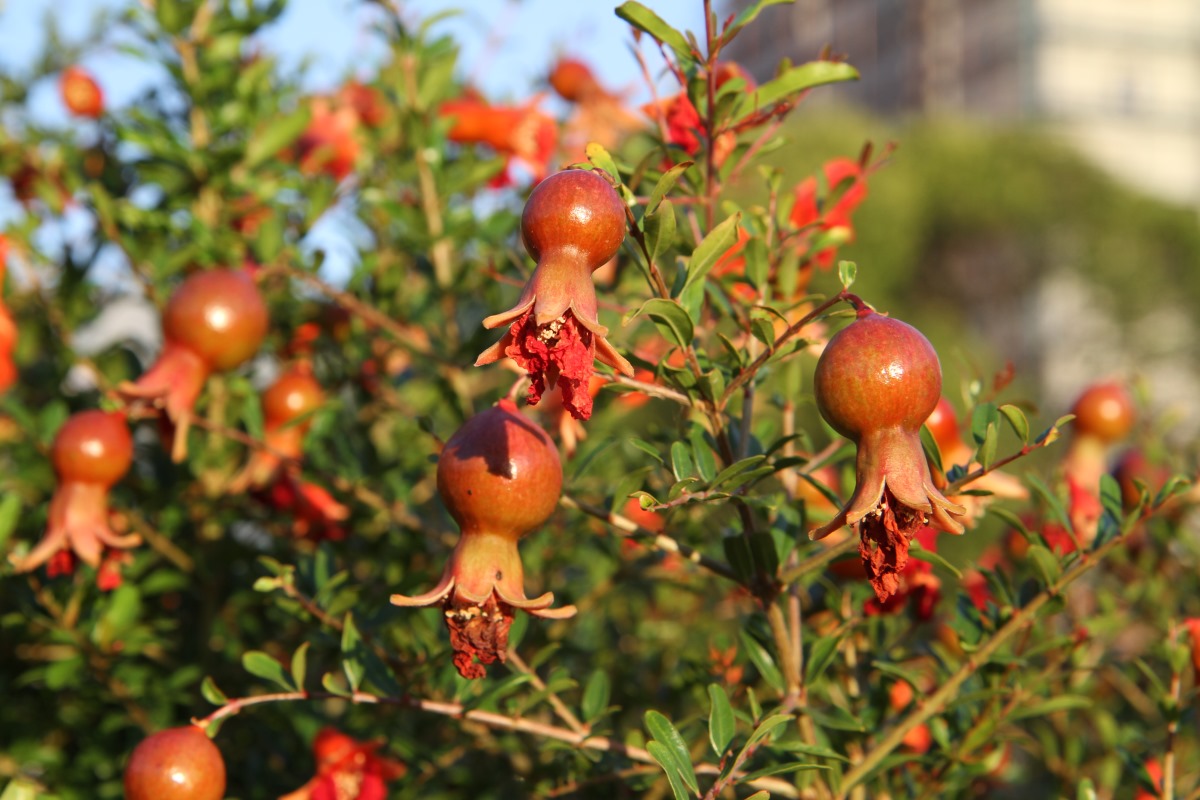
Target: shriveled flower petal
x: 560, y: 353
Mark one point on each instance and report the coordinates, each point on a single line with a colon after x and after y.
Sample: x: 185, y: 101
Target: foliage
x: 717, y: 651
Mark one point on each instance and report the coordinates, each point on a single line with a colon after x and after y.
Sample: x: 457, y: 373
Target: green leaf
x: 1017, y: 421
x: 748, y: 15
x: 835, y: 718
x: 210, y: 692
x: 710, y: 250
x: 987, y: 450
x: 601, y: 158
x: 1045, y: 563
x: 596, y: 695
x: 20, y: 789
x: 665, y: 184
x: 300, y: 665
x: 352, y: 648
x: 794, y: 81
x: 810, y: 750
x: 847, y: 272
x: 670, y: 318
x: 823, y: 651
x: 780, y: 769
x: 761, y: 658
x: 333, y: 684
x: 702, y: 453
x: 659, y: 229
x: 646, y: 20
x: 721, y: 723
x: 275, y: 136
x: 665, y: 733
x: 730, y: 474
x: 1066, y: 702
x: 681, y: 461
x: 663, y: 756
x: 258, y: 663
x: 933, y: 557
x: 766, y: 728
x: 10, y: 512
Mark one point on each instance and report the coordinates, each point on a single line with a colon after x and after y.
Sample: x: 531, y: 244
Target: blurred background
x: 1042, y: 197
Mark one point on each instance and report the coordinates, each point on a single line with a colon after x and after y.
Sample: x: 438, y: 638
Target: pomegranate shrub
x: 595, y: 471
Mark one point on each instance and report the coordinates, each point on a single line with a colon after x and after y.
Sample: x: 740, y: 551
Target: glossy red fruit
x: 219, y: 315
x: 91, y: 452
x: 213, y: 322
x: 876, y: 382
x: 293, y: 395
x: 500, y: 477
x: 1105, y: 411
x: 80, y: 93
x: 573, y: 223
x: 175, y: 764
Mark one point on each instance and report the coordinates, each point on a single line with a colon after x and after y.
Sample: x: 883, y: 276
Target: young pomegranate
x: 1104, y: 415
x: 214, y: 322
x: 81, y: 94
x: 347, y: 769
x: 876, y: 383
x: 175, y: 764
x: 92, y: 451
x: 573, y: 223
x: 500, y: 478
x: 295, y: 395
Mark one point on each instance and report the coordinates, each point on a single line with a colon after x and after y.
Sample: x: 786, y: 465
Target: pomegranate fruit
x: 347, y: 769
x: 213, y: 322
x: 500, y: 477
x: 876, y: 382
x: 91, y: 452
x: 295, y: 394
x: 8, y: 328
x: 175, y: 764
x: 572, y: 224
x: 1104, y: 414
x: 80, y: 93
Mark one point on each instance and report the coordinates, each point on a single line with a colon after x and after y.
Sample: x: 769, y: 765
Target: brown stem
x: 565, y: 714
x: 491, y: 719
x: 1168, y: 785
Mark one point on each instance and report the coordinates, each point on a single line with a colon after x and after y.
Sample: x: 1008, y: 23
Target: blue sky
x: 507, y: 44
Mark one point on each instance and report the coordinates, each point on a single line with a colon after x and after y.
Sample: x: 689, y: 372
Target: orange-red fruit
x: 574, y: 81
x: 80, y: 92
x: 943, y: 425
x: 93, y: 447
x: 1105, y: 411
x: 175, y: 764
x: 877, y: 373
x: 500, y: 473
x: 219, y: 315
x: 577, y: 211
x: 295, y: 393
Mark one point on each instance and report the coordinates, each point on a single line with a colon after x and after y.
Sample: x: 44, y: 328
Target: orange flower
x: 808, y: 214
x: 80, y: 92
x: 517, y: 133
x: 329, y: 144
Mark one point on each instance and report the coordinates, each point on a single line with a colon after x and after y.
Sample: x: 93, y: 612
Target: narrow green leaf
x: 702, y: 453
x: 933, y: 557
x: 820, y: 657
x: 794, y: 81
x: 710, y: 250
x: 333, y: 684
x: 665, y: 184
x: 746, y: 16
x: 1017, y: 421
x: 276, y: 135
x: 646, y: 447
x: 10, y: 512
x: 659, y: 229
x: 681, y: 461
x: 210, y: 692
x: 735, y: 469
x: 1045, y: 563
x: 721, y: 723
x: 780, y: 769
x: 262, y: 665
x: 987, y: 450
x: 665, y: 760
x: 352, y: 647
x: 300, y: 665
x: 666, y: 734
x: 810, y: 750
x: 1066, y: 702
x: 646, y: 20
x: 596, y: 695
x: 835, y: 718
x: 766, y: 728
x: 761, y: 658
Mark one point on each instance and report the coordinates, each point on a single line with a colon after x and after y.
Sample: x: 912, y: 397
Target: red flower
x: 81, y: 94
x: 517, y: 133
x: 348, y: 769
x: 836, y: 217
x: 330, y: 143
